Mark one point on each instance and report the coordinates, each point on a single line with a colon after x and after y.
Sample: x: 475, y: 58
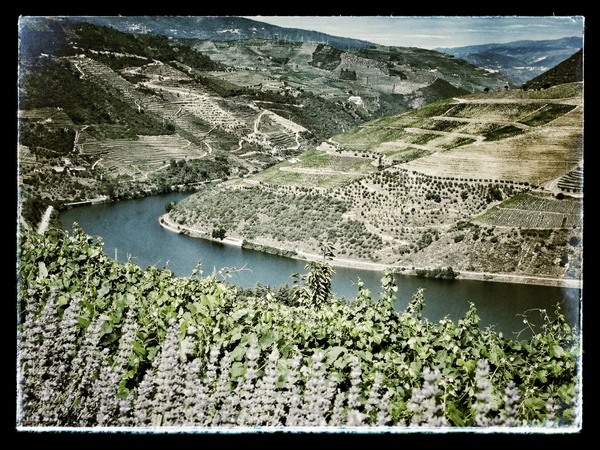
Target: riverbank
x: 43, y: 225
x: 463, y: 275
x: 166, y: 222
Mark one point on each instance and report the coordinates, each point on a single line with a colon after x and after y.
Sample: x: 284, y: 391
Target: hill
x: 477, y: 183
x: 568, y: 71
x: 109, y: 114
x: 220, y: 28
x: 520, y: 60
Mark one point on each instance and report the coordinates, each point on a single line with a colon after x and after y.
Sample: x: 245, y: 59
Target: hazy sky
x: 436, y: 31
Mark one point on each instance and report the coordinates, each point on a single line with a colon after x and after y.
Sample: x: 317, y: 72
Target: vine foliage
x: 102, y: 343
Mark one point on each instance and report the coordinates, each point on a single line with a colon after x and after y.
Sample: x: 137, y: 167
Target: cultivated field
x: 535, y: 212
x: 138, y: 157
x: 424, y: 189
x: 482, y: 138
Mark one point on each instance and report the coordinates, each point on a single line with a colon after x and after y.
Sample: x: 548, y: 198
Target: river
x: 131, y: 232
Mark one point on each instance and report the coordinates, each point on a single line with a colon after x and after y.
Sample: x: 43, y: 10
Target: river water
x: 130, y: 231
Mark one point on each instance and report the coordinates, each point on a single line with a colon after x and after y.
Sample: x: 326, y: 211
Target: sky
x: 436, y: 31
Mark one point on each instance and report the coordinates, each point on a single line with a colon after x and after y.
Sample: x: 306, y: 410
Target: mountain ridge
x: 218, y: 28
x: 521, y: 60
x: 569, y: 70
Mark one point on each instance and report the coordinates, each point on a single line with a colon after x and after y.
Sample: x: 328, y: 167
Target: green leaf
x: 139, y: 349
x: 534, y: 403
x: 183, y: 326
x: 333, y: 352
x: 454, y: 415
x: 105, y: 289
x: 541, y: 375
x: 566, y: 393
x: 129, y: 299
x: 237, y: 315
x: 336, y: 377
x: 239, y: 352
x: 367, y: 356
x: 201, y: 309
x: 283, y: 367
x: 470, y: 365
x: 106, y: 327
x: 62, y: 300
x: 236, y: 334
x: 267, y: 339
x: 237, y: 370
x: 152, y: 351
x: 162, y: 299
x: 209, y: 300
x: 42, y: 270
x: 556, y: 351
x: 340, y: 363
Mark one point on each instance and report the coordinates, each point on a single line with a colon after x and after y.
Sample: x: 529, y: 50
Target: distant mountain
x: 568, y: 71
x: 219, y: 28
x: 519, y: 60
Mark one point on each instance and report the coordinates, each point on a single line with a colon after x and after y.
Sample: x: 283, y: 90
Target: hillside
x: 105, y: 114
x: 520, y: 60
x: 475, y: 182
x: 397, y: 156
x: 220, y: 28
x: 568, y: 71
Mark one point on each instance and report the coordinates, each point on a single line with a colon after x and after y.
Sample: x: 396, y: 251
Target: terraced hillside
x: 499, y: 136
x: 193, y: 112
x: 469, y: 182
x: 381, y: 151
x: 381, y: 80
x: 136, y: 102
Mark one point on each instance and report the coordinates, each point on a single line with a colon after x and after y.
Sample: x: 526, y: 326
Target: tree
x: 218, y: 233
x: 317, y: 288
x: 169, y: 206
x: 450, y: 274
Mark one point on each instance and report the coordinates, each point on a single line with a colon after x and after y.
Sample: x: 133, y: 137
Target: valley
x: 223, y: 223
x: 398, y: 157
